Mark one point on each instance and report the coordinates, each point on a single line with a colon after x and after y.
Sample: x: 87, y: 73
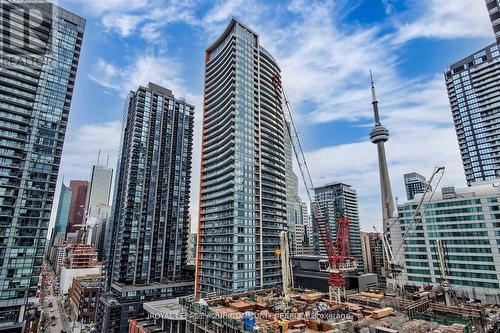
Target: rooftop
x: 482, y: 189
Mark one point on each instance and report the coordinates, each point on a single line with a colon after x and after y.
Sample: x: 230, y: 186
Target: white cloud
x: 105, y: 74
x: 223, y: 10
x: 125, y: 24
x: 98, y: 7
x: 445, y: 20
x: 144, y: 68
x: 388, y: 6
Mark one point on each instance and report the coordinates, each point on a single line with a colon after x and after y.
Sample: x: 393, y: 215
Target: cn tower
x: 379, y: 135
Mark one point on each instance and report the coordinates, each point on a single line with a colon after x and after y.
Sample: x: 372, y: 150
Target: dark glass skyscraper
x: 39, y: 50
x: 150, y: 215
x: 62, y: 211
x: 243, y: 179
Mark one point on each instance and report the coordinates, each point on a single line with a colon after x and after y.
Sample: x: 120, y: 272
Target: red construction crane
x: 339, y: 253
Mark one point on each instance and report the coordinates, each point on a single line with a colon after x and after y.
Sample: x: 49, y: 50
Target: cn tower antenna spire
x: 374, y: 100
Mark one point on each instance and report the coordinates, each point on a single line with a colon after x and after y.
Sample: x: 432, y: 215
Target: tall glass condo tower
x: 243, y: 182
x: 39, y: 49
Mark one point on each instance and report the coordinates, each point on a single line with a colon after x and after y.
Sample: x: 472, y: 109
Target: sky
x: 325, y: 50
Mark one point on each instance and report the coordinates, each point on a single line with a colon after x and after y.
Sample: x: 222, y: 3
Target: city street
x: 56, y: 320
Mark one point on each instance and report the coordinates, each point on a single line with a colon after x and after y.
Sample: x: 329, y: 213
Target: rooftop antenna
x: 107, y: 161
x: 98, y: 156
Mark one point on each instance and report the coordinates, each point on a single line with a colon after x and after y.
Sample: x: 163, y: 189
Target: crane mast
x: 339, y: 257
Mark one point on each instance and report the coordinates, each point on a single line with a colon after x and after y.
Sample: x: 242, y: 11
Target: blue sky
x: 325, y: 50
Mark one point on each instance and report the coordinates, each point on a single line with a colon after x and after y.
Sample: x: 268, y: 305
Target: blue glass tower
x: 40, y: 46
x: 62, y: 211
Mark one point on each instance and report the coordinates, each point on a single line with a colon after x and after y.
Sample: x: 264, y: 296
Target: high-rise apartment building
x: 40, y: 46
x: 76, y: 217
x: 150, y: 217
x: 467, y: 221
x: 414, y: 183
x: 62, y: 214
x: 493, y: 7
x: 373, y: 252
x: 472, y: 85
x: 339, y: 200
x: 243, y: 180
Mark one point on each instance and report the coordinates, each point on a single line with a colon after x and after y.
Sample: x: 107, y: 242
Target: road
x: 56, y: 319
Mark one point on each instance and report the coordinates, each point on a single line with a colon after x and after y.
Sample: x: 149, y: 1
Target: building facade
x: 150, y: 217
x: 84, y: 295
x: 243, y: 180
x: 76, y: 217
x: 37, y: 77
x: 472, y: 85
x: 493, y: 7
x: 339, y: 200
x: 62, y: 214
x: 192, y: 239
x: 373, y: 252
x: 301, y: 243
x: 99, y: 192
x: 97, y: 207
x: 467, y: 221
x: 414, y: 183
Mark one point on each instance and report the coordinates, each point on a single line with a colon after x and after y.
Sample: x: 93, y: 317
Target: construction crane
x: 445, y: 285
x: 395, y: 268
x: 340, y: 260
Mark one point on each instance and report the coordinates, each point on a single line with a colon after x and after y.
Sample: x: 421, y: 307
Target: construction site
x: 310, y: 311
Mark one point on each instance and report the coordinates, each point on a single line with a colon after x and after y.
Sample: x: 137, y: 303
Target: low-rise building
x: 309, y: 272
x: 84, y: 295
